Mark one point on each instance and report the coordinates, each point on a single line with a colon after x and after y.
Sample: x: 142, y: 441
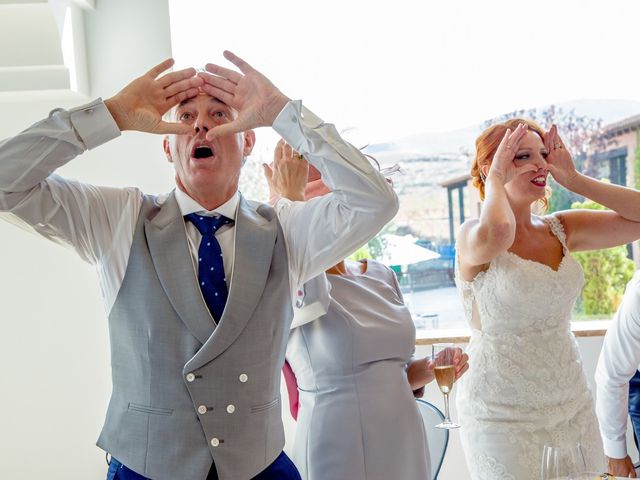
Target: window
x: 415, y: 81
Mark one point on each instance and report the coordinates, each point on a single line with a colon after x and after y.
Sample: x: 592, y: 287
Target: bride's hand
x: 559, y: 159
x: 502, y: 167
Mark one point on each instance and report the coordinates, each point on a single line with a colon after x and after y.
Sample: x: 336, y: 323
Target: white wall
x: 54, y: 352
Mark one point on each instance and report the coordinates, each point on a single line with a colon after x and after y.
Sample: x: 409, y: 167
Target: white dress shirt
x: 619, y: 360
x: 99, y: 222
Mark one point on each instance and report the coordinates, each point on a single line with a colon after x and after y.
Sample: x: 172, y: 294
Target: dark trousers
x: 281, y: 469
x: 634, y: 405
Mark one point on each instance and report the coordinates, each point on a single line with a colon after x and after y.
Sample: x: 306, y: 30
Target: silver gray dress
x: 358, y: 418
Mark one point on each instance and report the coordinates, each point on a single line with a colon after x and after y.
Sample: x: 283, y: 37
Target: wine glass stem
x: 446, y: 408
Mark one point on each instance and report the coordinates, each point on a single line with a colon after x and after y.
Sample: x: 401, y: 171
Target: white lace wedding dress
x: 525, y: 386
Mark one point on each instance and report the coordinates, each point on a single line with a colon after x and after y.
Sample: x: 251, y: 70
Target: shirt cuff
x: 290, y: 122
x: 615, y: 448
x: 94, y: 124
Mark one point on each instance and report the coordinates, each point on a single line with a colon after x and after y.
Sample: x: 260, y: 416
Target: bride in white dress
x: 526, y: 385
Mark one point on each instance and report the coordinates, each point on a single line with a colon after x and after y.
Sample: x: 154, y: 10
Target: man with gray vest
x: 198, y: 283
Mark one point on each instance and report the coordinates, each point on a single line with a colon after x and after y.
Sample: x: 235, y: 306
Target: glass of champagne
x: 562, y: 462
x: 442, y: 355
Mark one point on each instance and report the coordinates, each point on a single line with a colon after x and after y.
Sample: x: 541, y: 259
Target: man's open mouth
x: 202, y: 151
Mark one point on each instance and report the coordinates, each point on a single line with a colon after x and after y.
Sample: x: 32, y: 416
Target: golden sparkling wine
x: 445, y: 376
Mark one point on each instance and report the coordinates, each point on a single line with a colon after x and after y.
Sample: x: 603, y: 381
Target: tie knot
x: 207, y: 225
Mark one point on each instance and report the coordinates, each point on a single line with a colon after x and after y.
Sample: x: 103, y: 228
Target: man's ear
x: 249, y: 142
x: 167, y: 149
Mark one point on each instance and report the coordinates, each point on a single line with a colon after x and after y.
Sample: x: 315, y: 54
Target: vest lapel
x: 167, y: 240
x: 255, y: 240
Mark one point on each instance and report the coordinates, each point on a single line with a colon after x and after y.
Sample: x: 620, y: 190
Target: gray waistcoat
x: 185, y: 391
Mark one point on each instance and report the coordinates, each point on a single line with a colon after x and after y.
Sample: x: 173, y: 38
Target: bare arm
x: 625, y: 201
x: 483, y: 239
x: 597, y: 229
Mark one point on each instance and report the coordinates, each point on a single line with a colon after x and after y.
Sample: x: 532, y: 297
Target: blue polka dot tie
x: 210, y: 266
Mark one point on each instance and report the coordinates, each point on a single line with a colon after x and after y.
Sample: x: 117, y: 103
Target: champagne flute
x: 442, y: 355
x: 562, y: 462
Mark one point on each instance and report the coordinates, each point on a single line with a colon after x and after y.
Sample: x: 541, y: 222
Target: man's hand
x: 257, y: 101
x: 621, y: 467
x: 141, y: 104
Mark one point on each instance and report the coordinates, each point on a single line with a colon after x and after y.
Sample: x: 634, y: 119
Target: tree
x: 606, y: 274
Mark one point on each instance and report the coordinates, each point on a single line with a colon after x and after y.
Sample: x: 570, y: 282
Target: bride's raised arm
x: 482, y: 239
x: 593, y: 229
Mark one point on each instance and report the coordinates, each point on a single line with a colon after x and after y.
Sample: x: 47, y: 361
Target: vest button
x: 202, y: 409
x: 231, y: 408
x: 190, y: 377
x: 215, y: 442
x: 243, y: 377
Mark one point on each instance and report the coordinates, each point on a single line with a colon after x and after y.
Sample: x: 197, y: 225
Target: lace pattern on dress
x: 526, y: 385
x: 488, y: 468
x: 557, y: 229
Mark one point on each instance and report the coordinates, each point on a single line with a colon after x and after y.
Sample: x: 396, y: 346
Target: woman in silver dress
x: 351, y: 351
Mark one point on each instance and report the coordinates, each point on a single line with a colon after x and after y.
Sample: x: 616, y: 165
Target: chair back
x: 437, y: 438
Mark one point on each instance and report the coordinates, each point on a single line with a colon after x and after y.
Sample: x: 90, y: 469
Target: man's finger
x: 219, y: 82
x: 182, y: 86
x: 224, y: 97
x: 181, y: 97
x: 231, y: 75
x: 173, y: 77
x: 166, y: 128
x: 237, y: 61
x: 161, y: 67
x: 223, y: 130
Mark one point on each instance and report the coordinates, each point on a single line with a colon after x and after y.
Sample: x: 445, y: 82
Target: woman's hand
x: 502, y: 167
x: 559, y: 159
x: 461, y: 362
x: 287, y: 175
x: 420, y: 372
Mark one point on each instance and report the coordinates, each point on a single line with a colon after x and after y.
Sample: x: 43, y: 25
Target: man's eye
x: 185, y: 117
x: 219, y: 114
